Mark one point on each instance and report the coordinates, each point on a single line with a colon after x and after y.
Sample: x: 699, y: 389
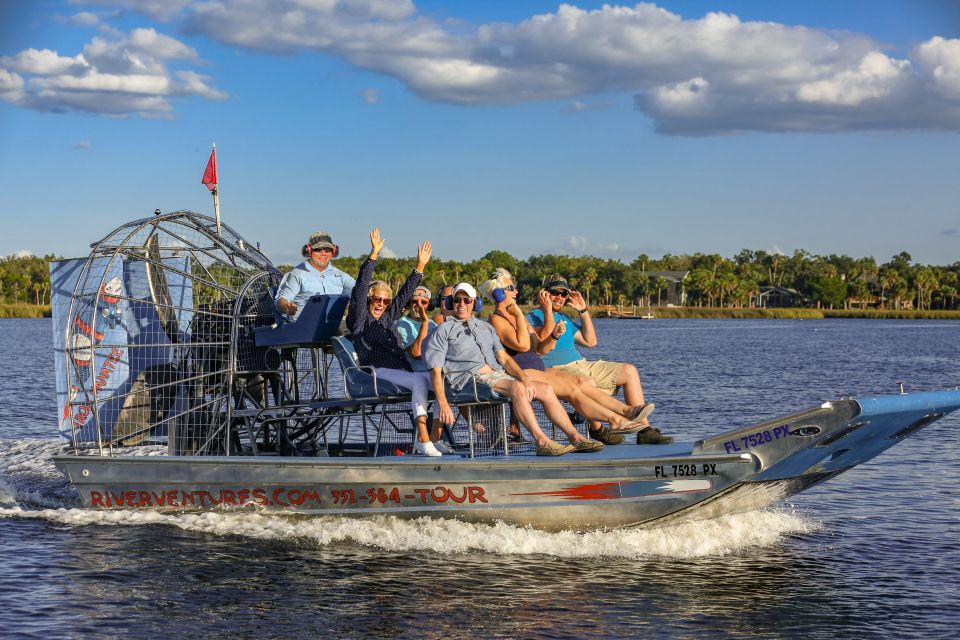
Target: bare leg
x: 629, y: 379
x: 422, y: 433
x: 555, y: 411
x: 575, y: 390
x: 434, y: 430
x: 522, y: 409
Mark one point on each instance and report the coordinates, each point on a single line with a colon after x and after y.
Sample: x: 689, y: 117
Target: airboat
x: 179, y: 389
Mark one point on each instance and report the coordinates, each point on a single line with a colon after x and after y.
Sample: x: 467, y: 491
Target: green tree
x: 829, y: 291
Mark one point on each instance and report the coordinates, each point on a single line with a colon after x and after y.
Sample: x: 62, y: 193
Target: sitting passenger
x: 522, y: 344
x: 371, y: 319
x: 315, y: 276
x: 552, y: 328
x: 415, y: 327
x: 442, y: 312
x: 464, y: 346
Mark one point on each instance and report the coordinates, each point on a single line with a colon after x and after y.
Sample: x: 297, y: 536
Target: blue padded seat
x: 318, y: 322
x: 361, y: 381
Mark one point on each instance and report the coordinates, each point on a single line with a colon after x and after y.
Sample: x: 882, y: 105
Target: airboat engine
x: 154, y: 335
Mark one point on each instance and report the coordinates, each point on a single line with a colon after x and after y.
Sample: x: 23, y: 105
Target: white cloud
x: 581, y: 245
x: 83, y: 144
x: 370, y: 96
x: 162, y: 10
x: 22, y: 253
x: 712, y: 74
x: 84, y: 19
x: 876, y: 77
x: 941, y: 59
x: 113, y: 76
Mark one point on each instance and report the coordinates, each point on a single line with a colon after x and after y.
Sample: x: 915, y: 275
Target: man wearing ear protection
x: 463, y: 347
x: 315, y: 276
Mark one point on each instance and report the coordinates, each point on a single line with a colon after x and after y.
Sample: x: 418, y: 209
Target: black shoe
x: 652, y: 436
x: 606, y: 436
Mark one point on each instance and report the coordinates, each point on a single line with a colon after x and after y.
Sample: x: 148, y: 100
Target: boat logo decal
x: 630, y: 489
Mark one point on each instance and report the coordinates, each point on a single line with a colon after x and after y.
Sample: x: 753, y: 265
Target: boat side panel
x: 548, y: 496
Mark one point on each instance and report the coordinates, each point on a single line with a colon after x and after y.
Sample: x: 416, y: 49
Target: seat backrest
x: 318, y: 322
x: 359, y: 382
x: 344, y: 352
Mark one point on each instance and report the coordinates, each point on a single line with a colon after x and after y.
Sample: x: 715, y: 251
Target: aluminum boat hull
x: 626, y: 485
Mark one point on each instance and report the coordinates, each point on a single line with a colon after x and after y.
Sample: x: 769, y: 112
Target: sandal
x: 640, y: 411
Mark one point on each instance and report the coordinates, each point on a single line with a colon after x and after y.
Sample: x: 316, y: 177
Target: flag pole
x: 216, y: 194
x: 210, y: 180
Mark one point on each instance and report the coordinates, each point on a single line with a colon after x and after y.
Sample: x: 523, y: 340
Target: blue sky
x: 531, y: 127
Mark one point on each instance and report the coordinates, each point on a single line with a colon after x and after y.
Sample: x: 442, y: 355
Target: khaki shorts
x: 602, y: 372
x: 491, y: 379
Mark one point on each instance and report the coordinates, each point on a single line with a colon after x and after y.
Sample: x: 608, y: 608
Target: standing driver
x: 315, y: 276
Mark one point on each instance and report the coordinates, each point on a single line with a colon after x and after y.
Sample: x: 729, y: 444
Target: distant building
x: 675, y: 293
x: 778, y: 297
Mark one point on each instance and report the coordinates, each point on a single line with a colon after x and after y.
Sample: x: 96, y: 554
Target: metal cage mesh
x: 159, y: 326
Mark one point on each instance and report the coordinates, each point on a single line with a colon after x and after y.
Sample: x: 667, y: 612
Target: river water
x: 872, y: 553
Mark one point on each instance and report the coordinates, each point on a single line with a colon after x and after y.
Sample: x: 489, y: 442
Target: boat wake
x: 32, y: 487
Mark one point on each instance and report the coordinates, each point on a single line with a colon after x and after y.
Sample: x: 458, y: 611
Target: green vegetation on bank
x: 711, y: 286
x: 24, y: 310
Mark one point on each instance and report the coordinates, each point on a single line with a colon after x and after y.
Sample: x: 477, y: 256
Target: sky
x: 531, y: 127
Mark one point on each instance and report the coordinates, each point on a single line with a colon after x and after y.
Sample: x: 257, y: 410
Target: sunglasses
x: 462, y: 300
x: 324, y: 250
x: 376, y: 299
x: 559, y: 292
x: 423, y: 301
x: 510, y: 287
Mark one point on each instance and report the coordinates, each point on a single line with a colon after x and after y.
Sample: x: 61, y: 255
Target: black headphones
x: 430, y: 305
x: 477, y: 303
x: 305, y: 251
x: 437, y: 299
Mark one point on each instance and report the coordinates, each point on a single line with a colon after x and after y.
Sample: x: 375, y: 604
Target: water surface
x: 872, y: 553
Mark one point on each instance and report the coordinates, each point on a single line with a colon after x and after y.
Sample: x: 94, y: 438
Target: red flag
x: 210, y: 173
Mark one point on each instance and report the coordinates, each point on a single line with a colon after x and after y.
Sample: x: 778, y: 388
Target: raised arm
x: 403, y: 296
x: 357, y: 315
x: 586, y: 335
x: 416, y: 347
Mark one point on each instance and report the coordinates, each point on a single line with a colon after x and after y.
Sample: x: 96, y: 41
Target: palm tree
x: 661, y: 284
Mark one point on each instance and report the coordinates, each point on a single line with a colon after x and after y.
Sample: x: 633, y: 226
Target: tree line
x: 832, y: 281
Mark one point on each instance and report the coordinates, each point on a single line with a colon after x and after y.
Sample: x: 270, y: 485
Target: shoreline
x: 661, y: 313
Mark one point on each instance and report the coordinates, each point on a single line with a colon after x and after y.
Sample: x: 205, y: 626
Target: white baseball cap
x: 466, y: 287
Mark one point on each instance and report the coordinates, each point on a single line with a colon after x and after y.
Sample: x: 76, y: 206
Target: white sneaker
x: 425, y: 449
x: 443, y: 447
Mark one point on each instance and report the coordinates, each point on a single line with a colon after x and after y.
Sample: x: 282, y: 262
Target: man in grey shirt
x: 464, y: 347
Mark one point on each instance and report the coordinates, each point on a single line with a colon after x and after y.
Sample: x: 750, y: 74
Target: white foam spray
x: 31, y: 487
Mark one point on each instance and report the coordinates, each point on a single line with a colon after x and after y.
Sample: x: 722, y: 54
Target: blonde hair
x: 379, y: 284
x: 497, y: 281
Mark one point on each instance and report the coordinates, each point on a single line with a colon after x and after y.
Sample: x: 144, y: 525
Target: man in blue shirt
x: 313, y: 277
x: 415, y: 327
x: 463, y: 347
x: 565, y: 333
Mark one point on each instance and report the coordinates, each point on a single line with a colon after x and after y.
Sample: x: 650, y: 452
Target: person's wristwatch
x: 582, y: 311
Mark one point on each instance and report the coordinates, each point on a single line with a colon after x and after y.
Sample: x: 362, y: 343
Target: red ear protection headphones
x: 305, y: 251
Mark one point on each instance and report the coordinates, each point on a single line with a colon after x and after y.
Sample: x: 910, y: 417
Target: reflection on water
x: 871, y: 553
